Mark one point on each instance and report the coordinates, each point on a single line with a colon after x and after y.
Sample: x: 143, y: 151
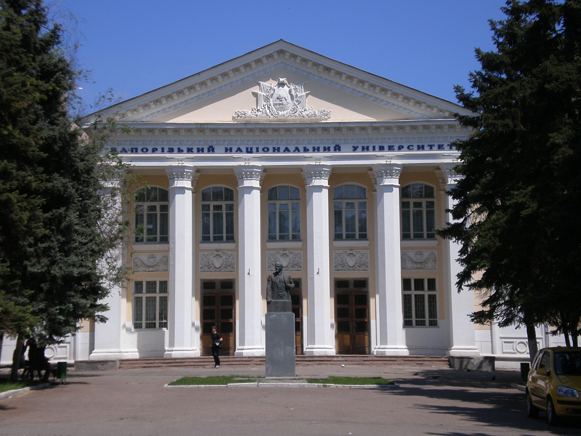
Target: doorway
x: 352, y: 317
x: 297, y: 304
x: 218, y: 308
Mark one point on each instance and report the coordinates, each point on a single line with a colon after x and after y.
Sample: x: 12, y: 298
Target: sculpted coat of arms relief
x: 281, y: 101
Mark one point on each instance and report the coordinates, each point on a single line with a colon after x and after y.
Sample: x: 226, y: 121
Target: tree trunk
x: 16, y: 357
x: 566, y: 334
x: 575, y: 339
x: 532, y: 339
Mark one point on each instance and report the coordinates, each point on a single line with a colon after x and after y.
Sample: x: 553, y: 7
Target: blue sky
x: 136, y: 46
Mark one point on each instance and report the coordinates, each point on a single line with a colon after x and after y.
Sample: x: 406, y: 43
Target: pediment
x: 326, y: 91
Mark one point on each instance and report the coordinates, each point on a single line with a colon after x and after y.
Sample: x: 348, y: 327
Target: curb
x: 519, y: 387
x: 16, y: 392
x: 286, y: 385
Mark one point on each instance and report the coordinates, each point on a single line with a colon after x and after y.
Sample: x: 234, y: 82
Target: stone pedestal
x: 280, y: 344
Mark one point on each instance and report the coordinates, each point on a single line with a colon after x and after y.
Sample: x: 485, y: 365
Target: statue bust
x: 278, y: 284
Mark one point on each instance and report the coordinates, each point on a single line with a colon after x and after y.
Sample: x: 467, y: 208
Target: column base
x: 319, y: 350
x: 464, y: 352
x: 249, y: 351
x: 395, y: 350
x: 177, y: 353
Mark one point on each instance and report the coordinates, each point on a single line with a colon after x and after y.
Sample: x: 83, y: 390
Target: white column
x: 249, y: 338
x: 181, y: 263
x: 109, y: 336
x: 320, y: 337
x: 390, y: 332
x: 460, y: 304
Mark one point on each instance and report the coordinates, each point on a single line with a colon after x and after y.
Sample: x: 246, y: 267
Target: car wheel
x: 532, y: 411
x: 551, y: 414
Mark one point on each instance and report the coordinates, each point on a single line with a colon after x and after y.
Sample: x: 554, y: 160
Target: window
x: 420, y: 308
x: 418, y: 212
x: 350, y: 212
x: 150, y: 300
x: 284, y: 214
x: 217, y: 214
x: 151, y: 215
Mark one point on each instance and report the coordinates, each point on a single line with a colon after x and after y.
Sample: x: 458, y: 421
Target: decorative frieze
x: 351, y: 260
x: 290, y: 260
x: 419, y: 261
x: 218, y: 261
x: 150, y: 262
x: 282, y: 101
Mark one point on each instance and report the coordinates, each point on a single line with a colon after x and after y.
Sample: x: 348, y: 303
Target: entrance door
x: 218, y: 310
x: 297, y: 304
x: 352, y: 322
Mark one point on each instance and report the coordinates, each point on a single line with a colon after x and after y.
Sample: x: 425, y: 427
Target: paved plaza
x: 428, y: 401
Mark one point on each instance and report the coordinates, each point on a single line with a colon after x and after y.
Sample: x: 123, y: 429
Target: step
x: 301, y: 360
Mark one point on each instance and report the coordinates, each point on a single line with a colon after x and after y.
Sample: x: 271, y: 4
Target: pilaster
x: 320, y: 337
x: 390, y: 332
x: 181, y: 342
x: 459, y: 304
x: 249, y: 338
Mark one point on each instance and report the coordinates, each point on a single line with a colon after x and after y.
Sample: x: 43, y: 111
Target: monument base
x: 280, y: 344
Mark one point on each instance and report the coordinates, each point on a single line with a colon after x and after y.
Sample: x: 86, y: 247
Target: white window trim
x: 426, y: 293
x: 143, y: 295
x: 423, y: 200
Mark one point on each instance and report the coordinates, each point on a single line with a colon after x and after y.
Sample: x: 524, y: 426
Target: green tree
x: 58, y: 225
x: 518, y: 201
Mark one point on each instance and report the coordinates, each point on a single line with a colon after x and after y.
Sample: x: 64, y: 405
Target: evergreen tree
x: 518, y: 201
x: 53, y: 209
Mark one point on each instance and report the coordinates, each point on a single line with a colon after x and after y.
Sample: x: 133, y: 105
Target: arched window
x: 284, y: 213
x: 151, y: 215
x: 217, y: 214
x: 418, y: 212
x: 350, y: 212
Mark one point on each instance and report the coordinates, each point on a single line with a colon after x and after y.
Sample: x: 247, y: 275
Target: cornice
x: 173, y: 141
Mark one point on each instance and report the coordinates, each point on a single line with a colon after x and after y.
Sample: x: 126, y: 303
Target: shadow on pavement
x: 490, y: 402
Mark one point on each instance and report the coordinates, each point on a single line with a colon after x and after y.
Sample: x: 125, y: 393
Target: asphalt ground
x: 428, y: 401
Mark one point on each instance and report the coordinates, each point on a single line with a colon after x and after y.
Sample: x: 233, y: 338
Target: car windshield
x: 568, y: 363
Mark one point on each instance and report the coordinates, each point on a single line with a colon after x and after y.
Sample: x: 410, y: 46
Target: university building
x: 284, y: 155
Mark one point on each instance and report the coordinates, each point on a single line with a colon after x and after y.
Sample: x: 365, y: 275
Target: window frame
x: 360, y: 234
x: 227, y: 214
x: 143, y: 215
x: 427, y: 314
x: 294, y: 214
x: 142, y: 319
x: 410, y: 222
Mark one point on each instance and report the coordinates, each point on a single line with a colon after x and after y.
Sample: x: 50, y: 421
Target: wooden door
x: 352, y: 322
x: 218, y: 310
x: 297, y: 304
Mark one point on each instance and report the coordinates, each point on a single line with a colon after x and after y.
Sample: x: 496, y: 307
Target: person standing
x: 216, y: 345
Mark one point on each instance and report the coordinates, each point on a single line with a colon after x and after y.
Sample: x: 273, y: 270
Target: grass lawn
x: 226, y: 379
x: 6, y: 385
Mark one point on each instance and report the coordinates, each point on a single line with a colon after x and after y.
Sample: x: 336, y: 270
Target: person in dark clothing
x: 216, y: 345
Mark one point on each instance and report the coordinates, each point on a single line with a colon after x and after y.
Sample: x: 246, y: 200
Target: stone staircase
x: 351, y: 360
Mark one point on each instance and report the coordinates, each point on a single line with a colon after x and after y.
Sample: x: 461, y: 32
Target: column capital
x: 387, y: 174
x: 181, y: 176
x: 248, y: 175
x: 317, y: 175
x: 448, y: 175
